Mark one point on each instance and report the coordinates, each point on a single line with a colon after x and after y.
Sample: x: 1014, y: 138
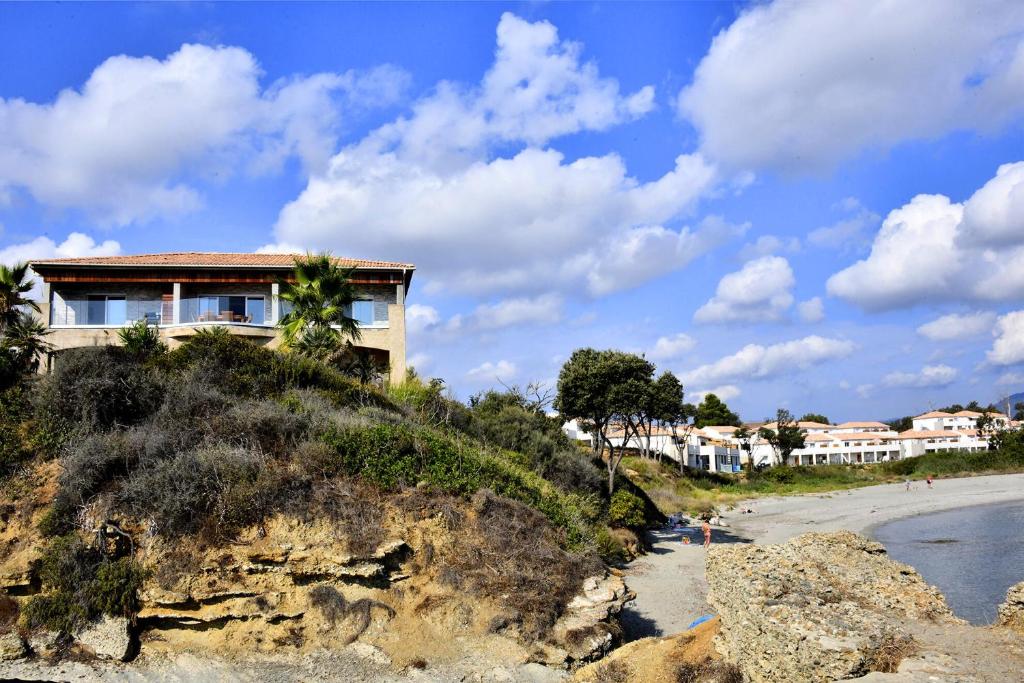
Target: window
x: 362, y: 312
x: 103, y: 309
x: 232, y: 308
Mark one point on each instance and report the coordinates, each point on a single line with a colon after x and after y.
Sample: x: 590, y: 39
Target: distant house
x: 87, y: 300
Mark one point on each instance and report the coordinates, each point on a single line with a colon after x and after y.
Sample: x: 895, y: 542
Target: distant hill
x: 1013, y: 398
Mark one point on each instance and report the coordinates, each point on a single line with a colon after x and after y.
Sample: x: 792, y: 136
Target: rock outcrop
x: 107, y: 638
x: 11, y: 646
x: 1011, y: 612
x: 821, y: 607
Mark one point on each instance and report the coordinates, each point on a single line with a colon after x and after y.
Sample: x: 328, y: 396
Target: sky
x: 805, y: 205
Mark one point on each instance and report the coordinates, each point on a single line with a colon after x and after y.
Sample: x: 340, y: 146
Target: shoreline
x: 669, y: 581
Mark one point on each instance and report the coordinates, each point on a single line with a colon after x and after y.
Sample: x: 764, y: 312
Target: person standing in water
x: 706, y: 528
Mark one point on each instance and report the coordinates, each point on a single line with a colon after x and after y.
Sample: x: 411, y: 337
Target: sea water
x: 973, y: 555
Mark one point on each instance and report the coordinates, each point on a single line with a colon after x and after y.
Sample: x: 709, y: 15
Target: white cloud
x: 543, y: 309
x: 726, y: 392
x: 755, y: 361
x: 994, y: 215
x: 1008, y: 348
x: 812, y: 310
x: 850, y: 233
x: 760, y: 291
x: 119, y: 146
x: 419, y: 361
x: 76, y: 244
x: 419, y: 317
x: 1011, y: 378
x: 929, y: 376
x: 668, y: 348
x: 502, y: 370
x: 936, y: 250
x: 766, y: 245
x: 463, y: 186
x: 955, y: 326
x: 801, y: 85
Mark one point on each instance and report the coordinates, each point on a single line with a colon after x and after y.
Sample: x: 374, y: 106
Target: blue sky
x: 817, y: 206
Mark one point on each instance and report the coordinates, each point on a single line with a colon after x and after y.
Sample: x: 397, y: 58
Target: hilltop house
x: 85, y: 301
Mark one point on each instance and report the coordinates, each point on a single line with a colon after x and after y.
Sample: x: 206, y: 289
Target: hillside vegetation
x: 185, y: 451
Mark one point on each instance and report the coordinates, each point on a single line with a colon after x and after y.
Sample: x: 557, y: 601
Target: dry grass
x: 709, y: 671
x: 8, y: 613
x: 890, y: 651
x: 507, y: 551
x: 616, y: 671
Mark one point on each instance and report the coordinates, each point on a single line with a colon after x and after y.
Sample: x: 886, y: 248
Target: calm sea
x: 973, y: 555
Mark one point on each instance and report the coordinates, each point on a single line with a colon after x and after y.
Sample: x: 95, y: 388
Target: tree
x: 745, y: 436
x: 141, y: 339
x: 666, y: 404
x: 785, y: 438
x: 902, y: 424
x: 320, y: 299
x: 815, y: 417
x: 22, y: 345
x: 1018, y: 411
x: 14, y: 284
x: 685, y: 416
x: 609, y: 389
x: 713, y: 411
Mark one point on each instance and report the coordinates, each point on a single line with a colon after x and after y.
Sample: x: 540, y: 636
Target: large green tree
x: 713, y: 411
x: 785, y: 438
x: 611, y: 390
x: 666, y: 405
x: 320, y: 299
x: 815, y: 417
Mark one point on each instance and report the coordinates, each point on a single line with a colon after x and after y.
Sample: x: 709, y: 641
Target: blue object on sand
x: 701, y: 620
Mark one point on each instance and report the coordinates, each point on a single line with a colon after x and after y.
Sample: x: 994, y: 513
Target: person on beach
x: 908, y: 483
x: 706, y: 528
x: 929, y: 480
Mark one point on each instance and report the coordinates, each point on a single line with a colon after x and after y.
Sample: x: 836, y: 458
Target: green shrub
x: 626, y: 510
x: 79, y: 584
x: 14, y: 413
x: 141, y: 340
x: 96, y: 389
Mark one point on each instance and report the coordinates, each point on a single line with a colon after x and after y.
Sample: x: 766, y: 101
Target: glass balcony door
x: 104, y: 309
x: 231, y: 309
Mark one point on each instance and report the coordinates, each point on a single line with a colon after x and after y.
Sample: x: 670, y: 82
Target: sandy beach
x: 669, y: 582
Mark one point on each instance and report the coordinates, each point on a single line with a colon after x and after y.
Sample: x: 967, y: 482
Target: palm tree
x: 14, y: 284
x: 23, y: 343
x: 320, y: 299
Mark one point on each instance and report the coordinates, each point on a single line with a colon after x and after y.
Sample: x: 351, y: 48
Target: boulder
x: 107, y: 638
x: 814, y: 608
x: 44, y: 643
x: 11, y: 647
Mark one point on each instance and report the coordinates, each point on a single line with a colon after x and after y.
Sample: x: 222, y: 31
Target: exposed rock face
x: 816, y: 608
x: 1011, y: 612
x: 11, y: 646
x: 107, y: 638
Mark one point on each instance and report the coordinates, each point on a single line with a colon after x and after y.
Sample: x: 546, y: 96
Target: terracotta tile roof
x: 724, y: 429
x: 865, y: 436
x: 967, y: 413
x: 934, y: 413
x: 929, y: 434
x: 852, y: 425
x: 820, y: 437
x: 808, y: 424
x: 211, y: 259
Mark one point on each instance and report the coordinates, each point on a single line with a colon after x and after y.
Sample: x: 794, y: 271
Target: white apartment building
x: 936, y: 421
x: 700, y: 449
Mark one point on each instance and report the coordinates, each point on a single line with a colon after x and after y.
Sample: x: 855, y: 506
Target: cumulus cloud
x: 419, y: 317
x: 760, y: 291
x: 812, y: 310
x: 1008, y: 348
x: 726, y: 392
x: 958, y: 326
x: 118, y: 146
x: 419, y: 361
x: 799, y: 86
x: 466, y: 185
x: 668, y: 348
x: 502, y: 370
x: 934, y: 250
x: 928, y: 376
x: 755, y: 361
x: 76, y: 244
x: 543, y: 309
x: 1011, y: 378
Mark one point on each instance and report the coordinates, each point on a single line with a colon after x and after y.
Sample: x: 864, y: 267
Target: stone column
x: 176, y: 305
x: 275, y: 303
